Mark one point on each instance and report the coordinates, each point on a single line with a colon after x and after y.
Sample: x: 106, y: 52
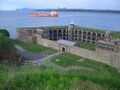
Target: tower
x: 70, y: 31
x: 108, y: 36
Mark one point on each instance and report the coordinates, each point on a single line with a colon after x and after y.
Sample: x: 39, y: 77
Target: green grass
x: 77, y: 27
x: 42, y: 78
x: 89, y: 46
x: 57, y: 27
x: 89, y: 29
x: 31, y: 47
x: 101, y: 73
x: 67, y: 59
x: 116, y: 35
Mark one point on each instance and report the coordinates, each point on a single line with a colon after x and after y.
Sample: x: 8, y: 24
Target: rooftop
x: 66, y: 42
x: 115, y: 34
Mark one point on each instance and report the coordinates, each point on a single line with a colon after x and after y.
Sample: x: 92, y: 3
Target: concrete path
x: 44, y: 58
x: 43, y: 61
x: 28, y: 55
x: 20, y: 49
x: 48, y: 62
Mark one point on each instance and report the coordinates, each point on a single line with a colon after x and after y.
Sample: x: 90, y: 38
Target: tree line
x: 7, y: 50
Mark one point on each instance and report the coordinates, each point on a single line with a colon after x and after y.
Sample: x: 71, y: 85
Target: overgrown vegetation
x: 77, y: 27
x: 57, y: 27
x: 101, y: 73
x: 116, y: 35
x: 41, y: 78
x: 89, y: 29
x: 6, y: 43
x: 67, y: 59
x: 31, y: 47
x: 4, y: 32
x: 89, y: 46
x: 7, y: 50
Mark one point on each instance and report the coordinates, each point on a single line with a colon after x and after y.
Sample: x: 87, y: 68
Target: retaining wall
x: 113, y: 60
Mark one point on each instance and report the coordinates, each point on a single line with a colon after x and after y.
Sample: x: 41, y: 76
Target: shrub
x: 4, y: 32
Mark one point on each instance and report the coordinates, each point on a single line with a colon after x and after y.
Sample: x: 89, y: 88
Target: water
x: 10, y: 20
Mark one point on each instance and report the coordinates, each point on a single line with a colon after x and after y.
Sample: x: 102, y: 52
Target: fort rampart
x: 106, y: 51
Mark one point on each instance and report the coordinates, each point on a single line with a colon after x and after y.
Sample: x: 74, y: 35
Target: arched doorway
x: 63, y: 49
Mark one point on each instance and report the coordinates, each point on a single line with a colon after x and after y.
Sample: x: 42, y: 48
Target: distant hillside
x: 82, y: 10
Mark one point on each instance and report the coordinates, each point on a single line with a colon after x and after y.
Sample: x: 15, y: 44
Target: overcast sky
x: 82, y: 4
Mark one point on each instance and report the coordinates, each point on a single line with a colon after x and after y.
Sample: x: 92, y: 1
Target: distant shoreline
x: 69, y: 10
x: 81, y: 10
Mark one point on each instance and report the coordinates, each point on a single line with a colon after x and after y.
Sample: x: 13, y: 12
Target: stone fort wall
x: 110, y: 58
x: 48, y: 43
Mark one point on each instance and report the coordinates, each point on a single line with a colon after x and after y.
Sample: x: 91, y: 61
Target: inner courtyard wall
x: 84, y: 53
x: 105, y: 56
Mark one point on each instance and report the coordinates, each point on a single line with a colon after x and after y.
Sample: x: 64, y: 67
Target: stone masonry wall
x: 110, y: 58
x: 48, y: 43
x: 114, y: 62
x: 89, y: 54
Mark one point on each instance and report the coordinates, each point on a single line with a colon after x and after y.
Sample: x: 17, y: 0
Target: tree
x: 4, y: 32
x: 7, y: 50
x: 6, y: 43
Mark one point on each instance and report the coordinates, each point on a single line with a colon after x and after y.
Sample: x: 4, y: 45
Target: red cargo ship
x: 52, y: 14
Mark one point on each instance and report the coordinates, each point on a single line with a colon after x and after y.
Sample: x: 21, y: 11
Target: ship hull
x: 42, y: 15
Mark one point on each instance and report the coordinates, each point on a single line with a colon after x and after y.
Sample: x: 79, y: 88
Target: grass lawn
x: 32, y: 47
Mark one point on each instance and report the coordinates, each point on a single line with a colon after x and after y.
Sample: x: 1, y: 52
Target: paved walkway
x: 45, y: 58
x: 32, y: 55
x: 43, y: 61
x: 20, y: 49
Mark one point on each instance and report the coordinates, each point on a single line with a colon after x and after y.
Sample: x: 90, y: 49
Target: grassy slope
x: 36, y: 78
x: 101, y: 73
x: 31, y: 47
x: 116, y: 35
x: 88, y: 46
x: 67, y: 59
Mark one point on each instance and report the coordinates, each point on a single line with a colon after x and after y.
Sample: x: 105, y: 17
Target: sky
x: 79, y: 4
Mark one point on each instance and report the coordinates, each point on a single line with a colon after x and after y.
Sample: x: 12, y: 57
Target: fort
x: 67, y: 38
